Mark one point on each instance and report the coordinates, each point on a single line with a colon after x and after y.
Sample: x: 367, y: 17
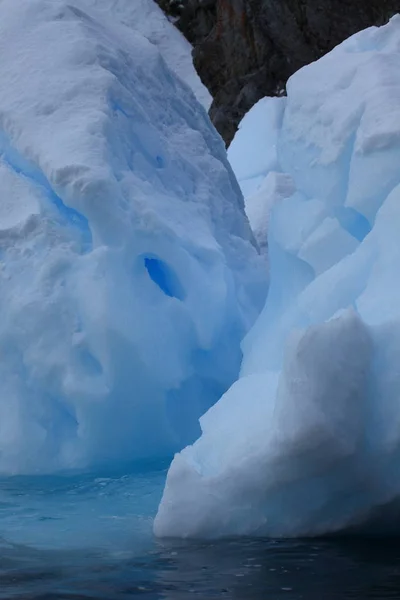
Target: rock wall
x: 247, y: 49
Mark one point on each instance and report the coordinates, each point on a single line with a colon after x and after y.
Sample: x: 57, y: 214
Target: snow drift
x: 307, y: 441
x: 128, y: 271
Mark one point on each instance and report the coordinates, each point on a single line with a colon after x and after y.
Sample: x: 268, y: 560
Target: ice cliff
x: 307, y: 441
x: 128, y: 271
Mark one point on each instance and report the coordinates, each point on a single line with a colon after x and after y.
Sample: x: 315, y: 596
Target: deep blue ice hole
x: 164, y: 276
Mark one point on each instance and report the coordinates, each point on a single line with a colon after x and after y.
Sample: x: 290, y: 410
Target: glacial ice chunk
x: 306, y: 433
x: 128, y: 272
x: 307, y: 441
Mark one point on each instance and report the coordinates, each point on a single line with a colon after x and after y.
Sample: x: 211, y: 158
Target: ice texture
x: 147, y: 18
x: 253, y: 151
x: 128, y: 271
x: 253, y: 155
x: 307, y: 441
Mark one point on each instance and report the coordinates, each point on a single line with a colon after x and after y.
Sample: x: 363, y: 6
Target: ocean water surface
x: 89, y: 536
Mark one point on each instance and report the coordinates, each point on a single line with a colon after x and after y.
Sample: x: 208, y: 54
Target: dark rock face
x: 195, y: 18
x: 247, y: 49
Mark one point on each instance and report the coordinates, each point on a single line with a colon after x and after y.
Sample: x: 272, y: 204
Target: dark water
x: 90, y: 537
x: 245, y: 570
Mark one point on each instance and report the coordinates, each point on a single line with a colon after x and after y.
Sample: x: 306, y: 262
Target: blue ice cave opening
x: 164, y: 276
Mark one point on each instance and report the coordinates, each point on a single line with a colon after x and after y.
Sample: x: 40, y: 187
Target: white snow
x: 307, y: 441
x: 128, y: 273
x: 146, y: 17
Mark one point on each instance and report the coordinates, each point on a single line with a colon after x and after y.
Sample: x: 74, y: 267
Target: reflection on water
x: 240, y: 569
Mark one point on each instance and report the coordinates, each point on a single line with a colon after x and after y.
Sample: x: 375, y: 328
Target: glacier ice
x: 259, y: 205
x: 253, y: 151
x: 307, y: 441
x: 254, y: 159
x: 128, y: 271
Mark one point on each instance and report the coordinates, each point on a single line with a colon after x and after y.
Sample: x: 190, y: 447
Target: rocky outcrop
x: 247, y: 49
x: 195, y: 18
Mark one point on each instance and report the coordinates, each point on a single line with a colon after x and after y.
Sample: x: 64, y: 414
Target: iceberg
x: 307, y: 440
x: 128, y: 270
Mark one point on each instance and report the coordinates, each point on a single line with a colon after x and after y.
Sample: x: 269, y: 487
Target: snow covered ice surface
x: 147, y: 18
x: 128, y: 273
x: 307, y: 441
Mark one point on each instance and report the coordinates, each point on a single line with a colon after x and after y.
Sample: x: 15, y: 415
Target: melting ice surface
x: 307, y: 441
x: 128, y: 273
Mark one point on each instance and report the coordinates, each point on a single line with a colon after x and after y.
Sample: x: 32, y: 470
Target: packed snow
x: 129, y: 273
x: 307, y: 441
x: 147, y: 18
